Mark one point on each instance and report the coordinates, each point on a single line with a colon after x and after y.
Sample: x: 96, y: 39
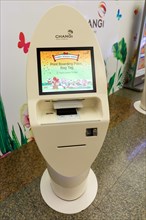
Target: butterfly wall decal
x: 22, y: 44
x: 119, y: 15
x: 136, y: 11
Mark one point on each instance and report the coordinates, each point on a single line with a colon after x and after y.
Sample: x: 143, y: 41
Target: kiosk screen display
x: 66, y: 70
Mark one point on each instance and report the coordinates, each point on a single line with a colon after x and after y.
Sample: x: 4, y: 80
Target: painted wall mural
x: 116, y: 25
x: 9, y: 140
x: 119, y: 50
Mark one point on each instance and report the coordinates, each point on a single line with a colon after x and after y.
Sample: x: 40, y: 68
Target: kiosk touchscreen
x: 68, y: 106
x: 66, y: 70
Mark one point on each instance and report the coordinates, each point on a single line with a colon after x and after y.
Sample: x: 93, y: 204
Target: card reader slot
x: 67, y: 111
x: 68, y: 104
x: 70, y: 146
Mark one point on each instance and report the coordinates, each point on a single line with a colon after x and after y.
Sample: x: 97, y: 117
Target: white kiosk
x: 140, y: 105
x: 68, y: 106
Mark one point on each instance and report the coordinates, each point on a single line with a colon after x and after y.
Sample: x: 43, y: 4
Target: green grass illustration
x: 8, y: 142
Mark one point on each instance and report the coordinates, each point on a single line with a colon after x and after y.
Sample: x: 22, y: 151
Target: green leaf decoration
x: 120, y: 73
x: 119, y: 84
x: 120, y: 76
x: 5, y: 139
x: 120, y: 50
x: 15, y: 139
x: 111, y: 82
x: 23, y: 137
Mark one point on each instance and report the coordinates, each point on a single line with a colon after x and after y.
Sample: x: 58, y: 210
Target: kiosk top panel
x: 64, y: 58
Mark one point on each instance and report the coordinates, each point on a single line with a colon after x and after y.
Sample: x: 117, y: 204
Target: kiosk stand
x: 140, y: 106
x: 68, y: 106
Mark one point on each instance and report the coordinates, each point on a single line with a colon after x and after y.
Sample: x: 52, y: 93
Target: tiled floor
x: 120, y: 169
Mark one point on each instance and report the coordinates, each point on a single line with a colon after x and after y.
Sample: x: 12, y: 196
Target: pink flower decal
x: 26, y: 123
x: 25, y: 116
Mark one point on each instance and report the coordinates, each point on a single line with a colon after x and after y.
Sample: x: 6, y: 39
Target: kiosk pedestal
x: 140, y: 105
x: 69, y: 206
x: 68, y: 106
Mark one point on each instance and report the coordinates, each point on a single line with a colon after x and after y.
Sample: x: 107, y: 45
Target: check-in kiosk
x: 68, y: 106
x: 140, y: 105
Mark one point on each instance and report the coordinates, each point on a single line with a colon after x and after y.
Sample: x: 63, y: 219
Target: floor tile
x: 9, y: 210
x: 127, y: 194
x: 130, y: 94
x: 138, y: 212
x: 19, y: 168
x: 28, y: 204
x: 120, y: 109
x: 117, y: 152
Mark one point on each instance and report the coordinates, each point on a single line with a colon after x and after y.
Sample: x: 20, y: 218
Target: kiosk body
x: 143, y: 97
x: 69, y: 123
x: 140, y: 105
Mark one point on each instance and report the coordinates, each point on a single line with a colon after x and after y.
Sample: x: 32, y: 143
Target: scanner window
x: 67, y: 111
x: 91, y: 132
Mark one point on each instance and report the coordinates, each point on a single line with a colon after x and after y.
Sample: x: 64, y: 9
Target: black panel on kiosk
x: 66, y: 70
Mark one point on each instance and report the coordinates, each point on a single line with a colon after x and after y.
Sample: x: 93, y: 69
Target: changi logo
x: 64, y: 36
x: 94, y: 23
x: 102, y: 9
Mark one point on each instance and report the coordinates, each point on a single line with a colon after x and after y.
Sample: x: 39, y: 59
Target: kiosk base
x: 68, y: 207
x: 138, y: 108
